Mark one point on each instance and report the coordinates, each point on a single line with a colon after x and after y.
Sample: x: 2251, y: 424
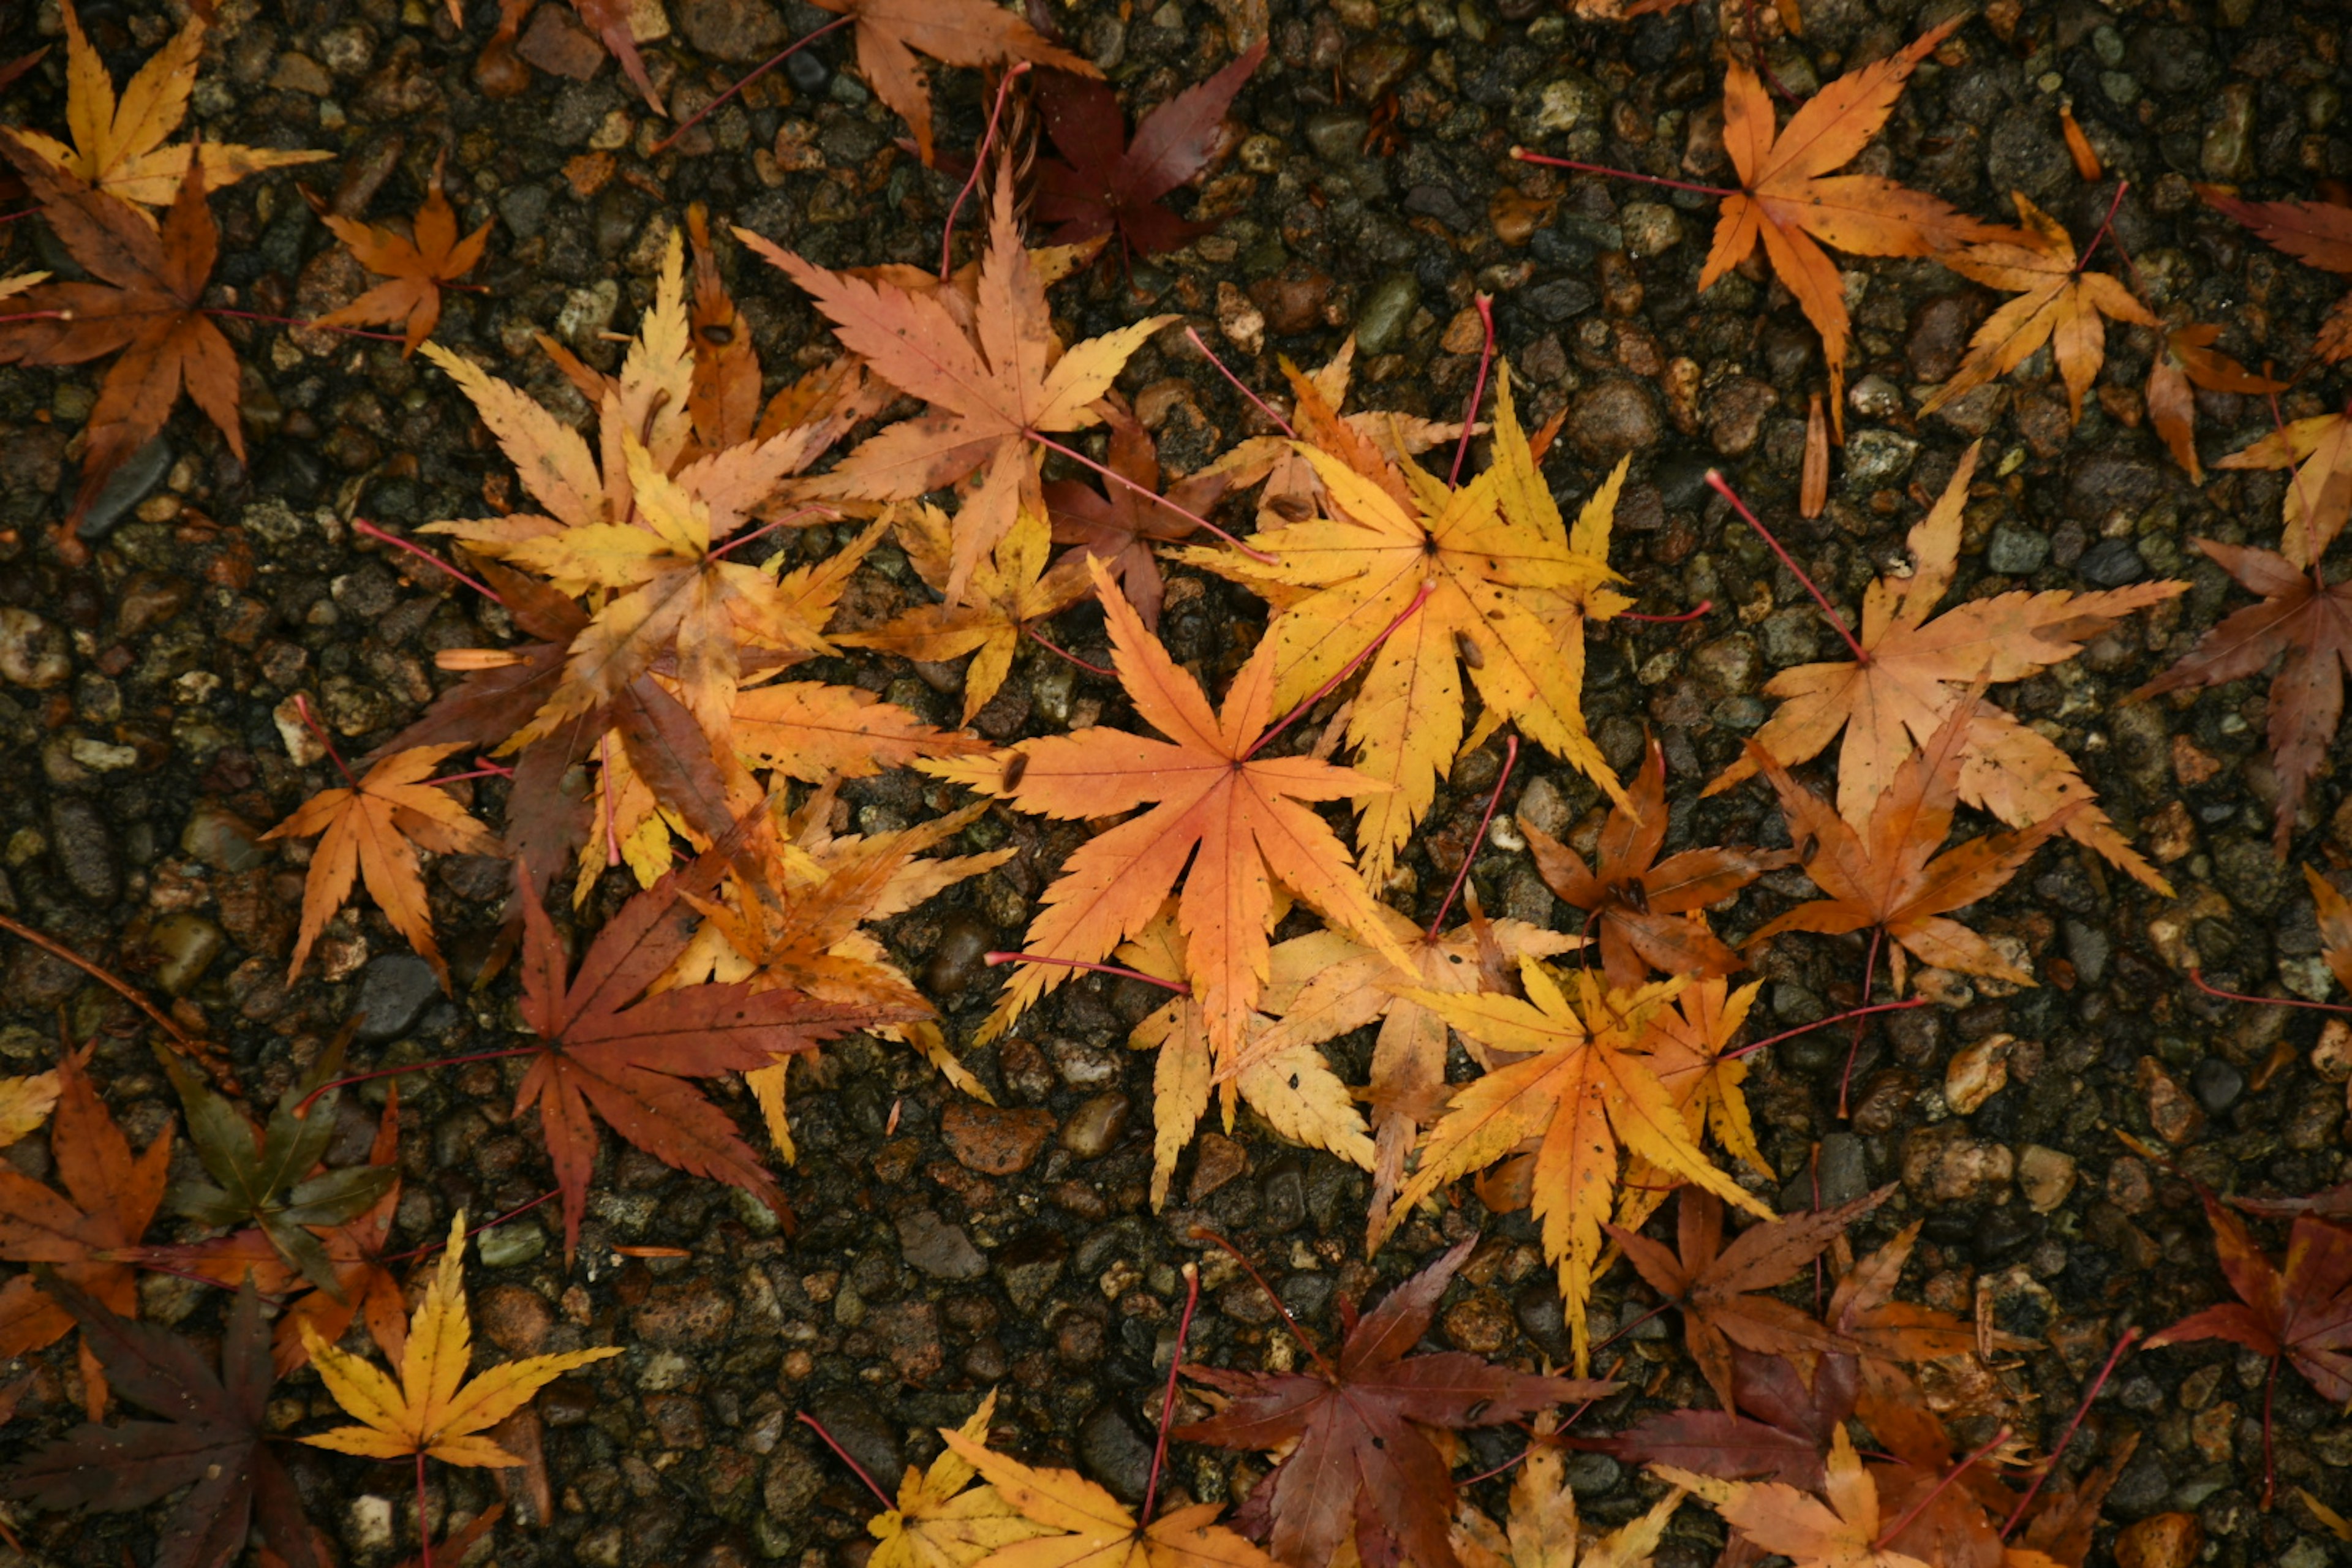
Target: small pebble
x: 1095, y: 1126
x: 992, y: 1140
x: 2176, y: 1117
x: 2046, y: 1177
x: 940, y: 1249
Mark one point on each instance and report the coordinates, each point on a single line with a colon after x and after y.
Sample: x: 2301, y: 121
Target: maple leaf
x: 1111, y: 183
x: 213, y: 1440
x: 1583, y: 1085
x: 146, y: 305
x: 117, y: 144
x: 370, y: 831
x: 271, y: 1176
x: 2318, y: 233
x: 1364, y: 1467
x: 1649, y: 913
x: 2304, y: 618
x: 1006, y: 597
x: 25, y: 1101
x: 1793, y: 1421
x: 953, y: 32
x: 1790, y: 200
x: 988, y: 370
x: 598, y: 1055
x: 1915, y: 670
x: 725, y: 402
x: 1121, y: 526
x: 1085, y: 1527
x: 941, y: 1520
x: 1485, y: 582
x: 2319, y: 500
x: 2297, y: 1312
x: 1884, y: 1334
x: 417, y: 262
x: 1885, y: 881
x: 609, y: 21
x: 2057, y: 303
x: 2334, y: 912
x: 1719, y: 1289
x: 1288, y: 1084
x: 2189, y: 358
x: 108, y: 1200
x: 1352, y: 985
x: 1544, y: 1531
x: 1209, y: 790
x: 1842, y: 1533
x: 433, y: 1410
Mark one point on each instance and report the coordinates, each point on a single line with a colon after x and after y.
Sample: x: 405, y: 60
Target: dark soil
x: 1375, y: 192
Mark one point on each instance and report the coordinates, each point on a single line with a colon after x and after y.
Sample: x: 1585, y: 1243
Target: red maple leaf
x: 1112, y: 183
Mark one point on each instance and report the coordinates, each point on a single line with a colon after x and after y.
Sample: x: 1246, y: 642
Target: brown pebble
x: 1095, y: 1125
x: 514, y: 1319
x: 993, y: 1139
x: 2176, y: 1118
x: 1216, y: 1160
x: 1480, y: 1323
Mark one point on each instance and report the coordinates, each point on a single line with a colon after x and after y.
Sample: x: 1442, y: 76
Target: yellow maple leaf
x: 432, y: 1410
x: 118, y: 143
x: 1093, y: 1530
x: 1585, y: 1086
x: 941, y: 1520
x: 1685, y: 1040
x: 1492, y: 588
x: 26, y: 1102
x: 2319, y: 501
x: 371, y: 832
x: 1008, y: 594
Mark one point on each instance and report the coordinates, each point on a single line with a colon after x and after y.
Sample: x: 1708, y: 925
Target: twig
x: 1822, y: 1023
x: 1039, y: 639
x: 1705, y: 606
x: 1524, y: 156
x: 1202, y: 1233
x: 330, y: 1087
x: 486, y: 1225
x: 2197, y: 978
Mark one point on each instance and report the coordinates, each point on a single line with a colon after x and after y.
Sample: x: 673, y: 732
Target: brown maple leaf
x: 953, y: 32
x: 2189, y: 358
x: 1889, y: 878
x: 1790, y: 200
x: 1842, y: 1532
x: 418, y: 262
x: 2057, y: 303
x: 2301, y: 1313
x: 1363, y: 1467
x: 2302, y: 617
x: 108, y: 1200
x: 1719, y: 1289
x: 146, y: 304
x: 2319, y: 500
x: 598, y: 1055
x: 371, y: 832
x: 989, y: 370
x: 1120, y: 525
x: 1210, y: 790
x: 1913, y: 670
x: 1887, y: 1336
x: 2318, y: 233
x: 1779, y: 1431
x: 1649, y: 913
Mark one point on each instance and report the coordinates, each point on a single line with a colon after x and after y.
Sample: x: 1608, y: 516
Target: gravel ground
x: 944, y: 1247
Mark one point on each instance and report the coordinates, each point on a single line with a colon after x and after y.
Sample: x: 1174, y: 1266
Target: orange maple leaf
x: 1889, y: 878
x: 953, y: 32
x: 417, y: 262
x: 1789, y: 199
x: 2057, y: 303
x: 1211, y: 789
x: 372, y: 831
x: 146, y: 302
x: 2189, y: 358
x: 989, y: 368
x: 1840, y: 1534
x: 1914, y: 670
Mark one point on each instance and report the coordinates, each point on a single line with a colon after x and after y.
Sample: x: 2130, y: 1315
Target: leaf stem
x: 2017, y: 1514
x: 2197, y: 978
x: 1510, y: 761
x: 1168, y: 1401
x: 1148, y: 493
x: 1485, y: 303
x: 817, y: 1427
x: 1916, y: 1508
x: 604, y: 781
x: 2105, y: 224
x: 361, y: 525
x: 38, y: 315
x: 1869, y: 972
x: 489, y: 770
x: 1860, y: 655
x: 302, y: 706
x: 790, y: 517
x: 1705, y: 606
x: 1428, y: 586
x: 1822, y: 1023
x: 1524, y: 156
x: 1039, y: 639
x: 1239, y: 384
x: 333, y: 1084
x: 1202, y: 1233
x: 1177, y: 986
x: 305, y: 326
x: 979, y: 161
x: 119, y: 986
x: 716, y: 104
x: 486, y: 1225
